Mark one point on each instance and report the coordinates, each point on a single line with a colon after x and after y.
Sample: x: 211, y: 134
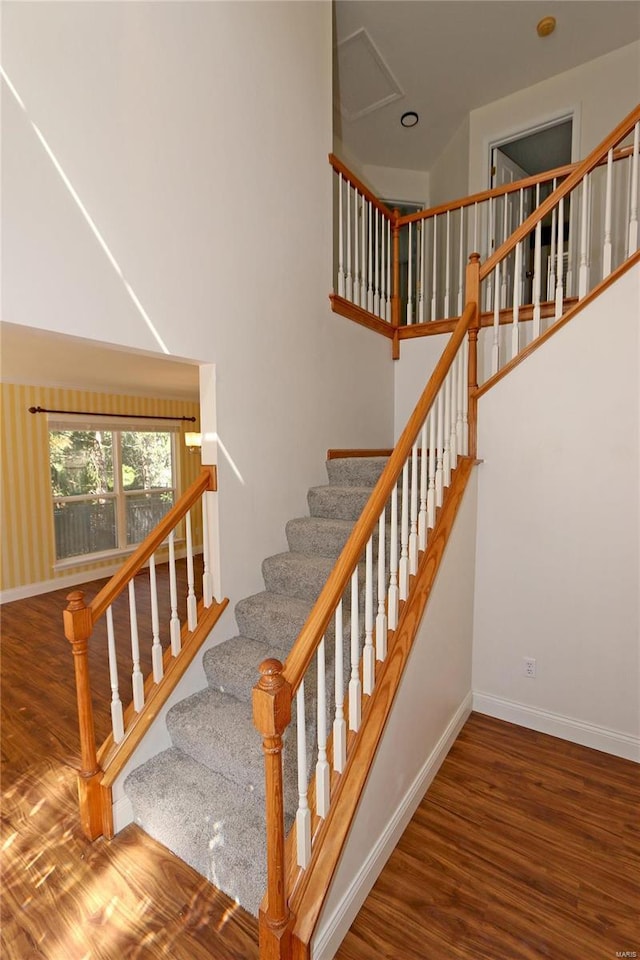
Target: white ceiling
x: 40, y: 358
x: 449, y: 57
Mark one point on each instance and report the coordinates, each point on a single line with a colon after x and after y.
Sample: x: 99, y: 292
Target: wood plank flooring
x: 525, y: 846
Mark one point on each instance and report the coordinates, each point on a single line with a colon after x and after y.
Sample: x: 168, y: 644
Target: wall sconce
x: 193, y: 442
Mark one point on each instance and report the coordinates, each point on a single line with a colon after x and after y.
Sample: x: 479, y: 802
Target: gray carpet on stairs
x: 204, y: 797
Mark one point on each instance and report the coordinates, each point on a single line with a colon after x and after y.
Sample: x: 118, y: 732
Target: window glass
x: 146, y: 460
x: 84, y: 526
x: 81, y: 462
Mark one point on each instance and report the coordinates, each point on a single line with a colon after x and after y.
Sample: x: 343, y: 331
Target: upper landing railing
x: 394, y: 273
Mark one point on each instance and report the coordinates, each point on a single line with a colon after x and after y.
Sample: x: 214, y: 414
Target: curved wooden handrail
x: 312, y: 632
x: 206, y: 481
x: 574, y: 178
x: 514, y: 187
x: 339, y: 167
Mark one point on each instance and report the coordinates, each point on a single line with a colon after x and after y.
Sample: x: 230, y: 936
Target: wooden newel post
x: 271, y: 716
x: 473, y: 296
x: 395, y: 287
x: 78, y: 626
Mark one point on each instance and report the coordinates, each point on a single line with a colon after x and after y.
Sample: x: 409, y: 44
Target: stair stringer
x: 349, y: 852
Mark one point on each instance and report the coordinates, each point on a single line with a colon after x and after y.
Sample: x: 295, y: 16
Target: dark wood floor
x: 524, y: 847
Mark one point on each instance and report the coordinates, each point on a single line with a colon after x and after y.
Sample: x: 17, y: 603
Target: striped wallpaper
x: 26, y: 517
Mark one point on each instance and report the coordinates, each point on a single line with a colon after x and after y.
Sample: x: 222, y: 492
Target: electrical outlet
x: 529, y: 667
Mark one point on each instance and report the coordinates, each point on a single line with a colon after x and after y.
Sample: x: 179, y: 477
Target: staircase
x: 204, y: 798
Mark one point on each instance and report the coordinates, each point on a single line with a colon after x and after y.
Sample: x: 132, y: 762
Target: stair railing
x: 331, y: 671
x: 190, y: 621
x: 599, y: 199
x: 428, y: 250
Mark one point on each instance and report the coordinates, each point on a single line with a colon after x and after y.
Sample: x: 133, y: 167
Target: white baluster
x: 389, y: 259
x: 440, y: 446
x: 404, y: 536
x: 633, y: 199
x: 465, y: 398
x: 551, y: 278
x: 423, y: 227
x: 174, y: 623
x: 348, y: 289
x: 409, y: 282
x: 583, y: 273
x: 339, y: 723
x: 490, y: 244
x: 537, y: 272
x: 475, y: 227
x: 515, y: 327
x: 431, y: 489
x: 322, y: 766
x: 424, y: 464
x: 376, y: 289
x: 393, y: 562
x: 413, y: 535
x: 137, y: 680
x: 434, y: 278
x: 355, y: 690
x: 156, y: 648
x: 495, y: 347
x: 370, y: 260
x: 363, y: 252
x: 503, y: 283
x: 381, y: 619
x: 207, y: 574
x: 606, y: 252
x: 382, y: 309
x: 568, y: 281
x: 446, y: 453
x: 303, y: 815
x: 192, y: 609
x: 453, y: 413
x: 369, y: 655
x: 559, y: 269
x: 461, y: 265
x: 356, y: 248
x: 117, y: 719
x: 340, y: 240
x: 447, y: 269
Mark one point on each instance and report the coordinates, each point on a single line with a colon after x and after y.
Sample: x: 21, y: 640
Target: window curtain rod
x: 128, y: 416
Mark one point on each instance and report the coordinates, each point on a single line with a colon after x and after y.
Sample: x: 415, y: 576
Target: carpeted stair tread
x: 217, y: 730
x: 319, y: 535
x: 232, y: 666
x: 205, y: 820
x: 338, y: 503
x: 272, y: 618
x: 300, y: 575
x: 355, y: 471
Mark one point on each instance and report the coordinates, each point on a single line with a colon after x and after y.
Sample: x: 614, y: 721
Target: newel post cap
x: 271, y: 699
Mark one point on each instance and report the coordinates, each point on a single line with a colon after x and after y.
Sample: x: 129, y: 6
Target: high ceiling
x: 41, y: 358
x: 444, y: 58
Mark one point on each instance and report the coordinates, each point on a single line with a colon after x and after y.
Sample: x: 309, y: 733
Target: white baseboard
x: 336, y: 926
x: 556, y: 725
x: 122, y: 814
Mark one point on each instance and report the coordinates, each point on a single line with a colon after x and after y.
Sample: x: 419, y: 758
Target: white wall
x: 449, y: 176
x: 392, y: 183
x: 196, y: 136
x: 557, y: 573
x: 602, y: 91
x: 411, y: 374
x: 431, y: 705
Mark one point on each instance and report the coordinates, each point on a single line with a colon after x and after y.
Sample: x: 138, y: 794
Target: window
x: 110, y: 487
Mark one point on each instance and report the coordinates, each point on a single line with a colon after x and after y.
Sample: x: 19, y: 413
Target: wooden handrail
x: 339, y: 167
x: 303, y: 649
x: 206, y: 481
x: 514, y: 187
x: 574, y: 178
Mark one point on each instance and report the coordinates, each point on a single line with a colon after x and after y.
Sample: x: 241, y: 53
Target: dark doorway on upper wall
x: 534, y: 152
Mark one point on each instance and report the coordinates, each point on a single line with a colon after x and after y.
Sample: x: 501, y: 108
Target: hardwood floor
x: 525, y: 847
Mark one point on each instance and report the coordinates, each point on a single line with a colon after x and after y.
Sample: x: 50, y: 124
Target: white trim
x: 122, y: 812
x: 515, y: 132
x: 556, y: 725
x: 336, y: 926
x: 71, y: 580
